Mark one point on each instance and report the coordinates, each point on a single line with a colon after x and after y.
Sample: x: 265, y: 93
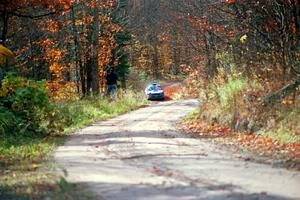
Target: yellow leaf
x: 244, y: 38
x: 5, y: 52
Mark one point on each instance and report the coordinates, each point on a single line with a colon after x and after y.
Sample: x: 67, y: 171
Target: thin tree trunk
x: 83, y: 79
x: 175, y: 53
x: 155, y: 62
x: 187, y: 50
x: 207, y: 52
x: 89, y: 76
x: 95, y: 65
x: 76, y: 49
x: 5, y: 18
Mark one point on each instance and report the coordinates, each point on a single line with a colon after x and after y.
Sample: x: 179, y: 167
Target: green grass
x: 286, y: 128
x: 25, y: 161
x: 81, y: 113
x: 283, y: 134
x: 21, y: 159
x: 191, y: 116
x: 25, y: 148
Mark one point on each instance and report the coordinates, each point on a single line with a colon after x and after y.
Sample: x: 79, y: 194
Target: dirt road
x: 141, y: 156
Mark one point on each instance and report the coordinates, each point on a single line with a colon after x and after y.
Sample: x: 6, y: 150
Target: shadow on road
x: 142, y: 192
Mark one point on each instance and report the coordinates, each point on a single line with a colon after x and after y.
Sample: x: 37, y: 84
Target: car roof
x: 156, y: 84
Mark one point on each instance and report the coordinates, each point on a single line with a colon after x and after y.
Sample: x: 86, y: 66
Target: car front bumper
x: 155, y: 96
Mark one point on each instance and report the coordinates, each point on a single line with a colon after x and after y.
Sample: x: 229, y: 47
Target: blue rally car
x: 154, y: 92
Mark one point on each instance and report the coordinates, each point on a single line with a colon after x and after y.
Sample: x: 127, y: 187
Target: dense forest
x: 71, y: 43
x: 239, y: 58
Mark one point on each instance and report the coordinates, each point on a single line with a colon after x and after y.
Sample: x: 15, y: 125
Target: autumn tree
x: 272, y: 30
x: 24, y: 8
x: 69, y: 43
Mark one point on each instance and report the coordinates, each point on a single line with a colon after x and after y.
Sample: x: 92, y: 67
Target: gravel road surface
x: 141, y: 156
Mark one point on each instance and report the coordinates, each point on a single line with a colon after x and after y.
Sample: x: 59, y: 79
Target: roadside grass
x: 285, y: 127
x: 278, y: 139
x: 234, y: 103
x: 26, y: 169
x: 191, y: 116
x: 287, y: 130
x: 77, y: 114
x: 283, y: 134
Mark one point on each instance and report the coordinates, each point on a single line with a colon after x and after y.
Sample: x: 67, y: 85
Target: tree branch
x: 33, y: 16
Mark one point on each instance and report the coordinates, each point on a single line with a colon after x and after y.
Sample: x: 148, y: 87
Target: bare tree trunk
x: 187, y: 50
x: 207, y: 52
x: 82, y: 78
x: 154, y: 43
x: 297, y: 21
x: 155, y: 62
x: 35, y: 70
x: 5, y: 19
x: 76, y: 49
x: 175, y: 53
x: 89, y: 76
x: 279, y: 95
x: 95, y: 64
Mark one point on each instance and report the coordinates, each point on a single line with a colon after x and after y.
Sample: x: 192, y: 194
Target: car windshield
x: 154, y: 87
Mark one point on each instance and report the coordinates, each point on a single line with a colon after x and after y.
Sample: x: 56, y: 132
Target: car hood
x: 154, y: 92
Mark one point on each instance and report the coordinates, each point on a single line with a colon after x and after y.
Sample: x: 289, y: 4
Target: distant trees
x: 69, y: 43
x: 33, y: 9
x: 272, y: 29
x: 145, y: 19
x: 174, y: 36
x: 260, y: 34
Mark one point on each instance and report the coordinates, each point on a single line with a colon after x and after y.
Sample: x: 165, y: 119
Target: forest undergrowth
x: 234, y: 111
x: 32, y: 126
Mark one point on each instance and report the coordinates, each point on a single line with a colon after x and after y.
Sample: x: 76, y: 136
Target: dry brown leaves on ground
x: 170, y: 91
x: 258, y: 144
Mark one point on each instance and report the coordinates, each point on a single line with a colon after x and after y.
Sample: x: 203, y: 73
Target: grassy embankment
x: 232, y: 110
x: 25, y: 160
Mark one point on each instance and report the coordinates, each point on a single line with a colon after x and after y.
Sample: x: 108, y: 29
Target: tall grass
x: 234, y: 100
x: 229, y: 91
x: 283, y: 123
x: 76, y: 114
x: 69, y: 116
x: 20, y: 155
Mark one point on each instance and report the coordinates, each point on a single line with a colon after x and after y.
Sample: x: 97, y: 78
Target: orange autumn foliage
x: 61, y: 90
x: 171, y: 91
x: 57, y: 53
x: 230, y: 2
